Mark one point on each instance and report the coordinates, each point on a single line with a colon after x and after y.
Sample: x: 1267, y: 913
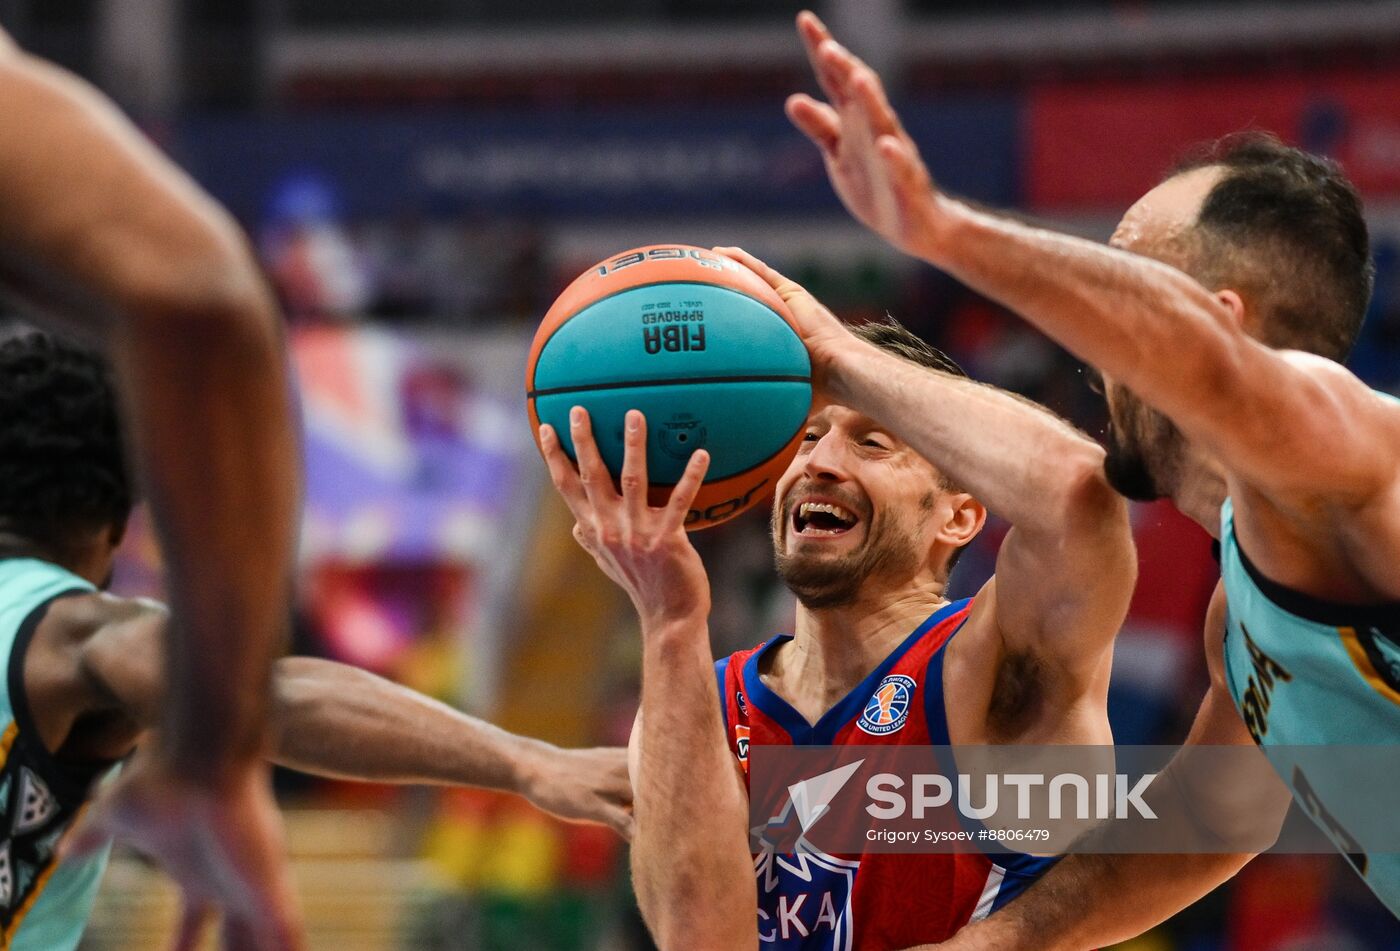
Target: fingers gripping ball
x: 702, y: 346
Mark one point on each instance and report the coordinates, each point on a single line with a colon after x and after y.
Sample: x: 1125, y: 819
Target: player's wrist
x: 942, y: 222
x: 678, y: 626
x: 528, y: 767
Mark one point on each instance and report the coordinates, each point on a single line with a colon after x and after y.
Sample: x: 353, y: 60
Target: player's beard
x: 1144, y: 449
x: 822, y: 580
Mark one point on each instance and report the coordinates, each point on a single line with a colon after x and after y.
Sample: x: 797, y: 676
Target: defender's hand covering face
x: 873, y: 164
x: 644, y: 549
x: 224, y: 849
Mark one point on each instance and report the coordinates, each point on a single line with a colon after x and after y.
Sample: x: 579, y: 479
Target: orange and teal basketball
x: 697, y: 342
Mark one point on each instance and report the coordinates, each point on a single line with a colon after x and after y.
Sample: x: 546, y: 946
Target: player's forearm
x: 1092, y: 901
x: 211, y: 421
x: 335, y: 720
x: 690, y: 853
x: 1017, y: 458
x: 1122, y: 313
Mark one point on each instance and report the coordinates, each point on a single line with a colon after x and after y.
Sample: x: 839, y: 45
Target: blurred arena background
x: 421, y: 177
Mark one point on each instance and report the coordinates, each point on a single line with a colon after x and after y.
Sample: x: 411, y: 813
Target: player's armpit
x: 1298, y: 426
x: 120, y: 660
x: 1061, y: 594
x: 95, y: 655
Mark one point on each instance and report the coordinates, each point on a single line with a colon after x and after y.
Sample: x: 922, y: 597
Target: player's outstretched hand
x: 643, y: 548
x: 223, y: 847
x: 872, y: 162
x: 826, y: 337
x: 588, y: 785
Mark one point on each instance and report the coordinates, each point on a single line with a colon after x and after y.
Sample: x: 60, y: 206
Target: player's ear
x: 965, y: 519
x: 1234, y: 305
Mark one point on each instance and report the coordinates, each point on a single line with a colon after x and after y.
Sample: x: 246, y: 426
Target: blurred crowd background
x: 422, y: 177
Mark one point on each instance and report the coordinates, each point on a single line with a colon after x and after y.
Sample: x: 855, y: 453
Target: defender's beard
x: 825, y: 580
x: 1143, y: 453
x: 1126, y: 469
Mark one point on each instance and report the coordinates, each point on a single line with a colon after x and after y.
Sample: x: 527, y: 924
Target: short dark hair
x: 1285, y: 227
x: 62, y: 468
x: 893, y: 337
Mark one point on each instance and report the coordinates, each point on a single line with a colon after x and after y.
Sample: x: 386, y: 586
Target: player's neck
x: 835, y: 648
x: 1199, y: 491
x: 81, y: 560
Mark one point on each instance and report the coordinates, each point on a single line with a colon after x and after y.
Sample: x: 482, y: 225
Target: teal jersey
x: 1306, y: 672
x: 44, y: 905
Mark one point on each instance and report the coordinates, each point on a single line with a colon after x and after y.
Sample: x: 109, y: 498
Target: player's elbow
x: 298, y: 687
x: 209, y: 292
x: 1081, y: 495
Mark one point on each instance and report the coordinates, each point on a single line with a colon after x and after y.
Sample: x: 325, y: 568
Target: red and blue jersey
x: 873, y: 901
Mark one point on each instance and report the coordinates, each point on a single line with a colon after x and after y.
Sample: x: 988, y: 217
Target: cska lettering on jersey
x: 805, y: 901
x: 809, y: 900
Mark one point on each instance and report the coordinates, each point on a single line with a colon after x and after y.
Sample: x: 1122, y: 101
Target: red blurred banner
x: 1100, y: 146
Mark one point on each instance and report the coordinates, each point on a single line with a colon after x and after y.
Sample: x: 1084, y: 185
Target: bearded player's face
x: 1144, y: 447
x: 853, y: 508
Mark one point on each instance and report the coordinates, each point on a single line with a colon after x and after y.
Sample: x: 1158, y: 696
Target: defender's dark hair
x: 62, y: 471
x: 893, y: 337
x: 1286, y: 228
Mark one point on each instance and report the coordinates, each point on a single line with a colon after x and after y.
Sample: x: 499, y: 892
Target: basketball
x: 702, y: 346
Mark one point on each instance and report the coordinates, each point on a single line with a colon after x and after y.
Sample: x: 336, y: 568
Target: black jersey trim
x: 1320, y: 610
x: 70, y: 784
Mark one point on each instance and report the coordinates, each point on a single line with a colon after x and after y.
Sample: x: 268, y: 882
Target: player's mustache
x: 846, y: 500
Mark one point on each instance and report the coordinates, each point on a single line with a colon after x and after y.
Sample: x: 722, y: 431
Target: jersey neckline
x: 1306, y: 606
x: 823, y: 732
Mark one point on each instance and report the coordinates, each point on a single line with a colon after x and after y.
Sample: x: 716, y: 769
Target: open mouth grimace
x: 822, y: 518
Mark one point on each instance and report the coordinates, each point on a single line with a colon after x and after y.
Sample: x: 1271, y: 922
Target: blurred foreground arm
x: 98, y: 224
x: 691, y: 864
x: 101, y: 228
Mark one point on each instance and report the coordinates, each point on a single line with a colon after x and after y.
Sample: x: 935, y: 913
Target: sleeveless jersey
x: 874, y: 901
x: 1306, y: 672
x: 44, y: 906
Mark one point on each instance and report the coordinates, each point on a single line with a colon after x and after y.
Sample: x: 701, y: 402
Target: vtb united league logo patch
x: 888, y: 707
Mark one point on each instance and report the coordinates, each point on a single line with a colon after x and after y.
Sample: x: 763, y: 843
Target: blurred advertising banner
x: 583, y: 164
x: 420, y: 480
x: 413, y: 449
x: 1102, y: 145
